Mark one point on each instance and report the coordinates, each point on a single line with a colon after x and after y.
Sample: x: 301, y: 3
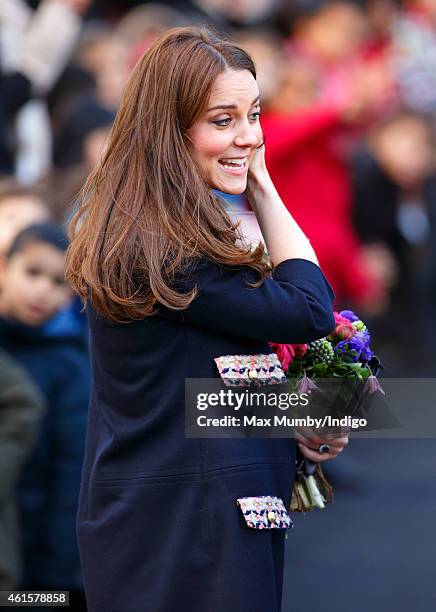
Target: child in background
x: 32, y: 291
x: 393, y: 172
x: 394, y: 188
x: 328, y: 32
x: 23, y: 206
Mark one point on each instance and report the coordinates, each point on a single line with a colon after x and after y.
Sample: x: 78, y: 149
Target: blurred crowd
x: 348, y: 91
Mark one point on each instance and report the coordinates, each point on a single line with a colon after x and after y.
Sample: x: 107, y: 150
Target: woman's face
x: 225, y: 136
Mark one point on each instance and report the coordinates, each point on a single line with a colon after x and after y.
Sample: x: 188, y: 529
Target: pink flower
x: 287, y: 352
x: 340, y: 320
x: 344, y: 332
x: 299, y: 349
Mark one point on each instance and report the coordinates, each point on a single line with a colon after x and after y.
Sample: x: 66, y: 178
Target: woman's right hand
x: 258, y: 176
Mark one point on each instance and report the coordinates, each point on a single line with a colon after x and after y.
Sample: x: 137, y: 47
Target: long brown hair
x: 145, y: 212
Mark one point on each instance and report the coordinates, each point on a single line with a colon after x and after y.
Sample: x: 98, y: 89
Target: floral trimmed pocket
x: 264, y: 512
x: 250, y: 370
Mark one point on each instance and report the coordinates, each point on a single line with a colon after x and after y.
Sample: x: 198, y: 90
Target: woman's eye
x: 225, y: 122
x: 222, y: 122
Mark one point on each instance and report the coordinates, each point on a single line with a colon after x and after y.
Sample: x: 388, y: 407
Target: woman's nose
x: 247, y: 136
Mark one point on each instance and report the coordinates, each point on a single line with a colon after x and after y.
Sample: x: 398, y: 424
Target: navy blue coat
x: 158, y: 525
x: 48, y: 489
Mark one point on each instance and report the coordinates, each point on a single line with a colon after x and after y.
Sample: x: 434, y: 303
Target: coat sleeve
x: 294, y: 305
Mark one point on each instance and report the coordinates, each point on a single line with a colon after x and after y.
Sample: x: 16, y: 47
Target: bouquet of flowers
x: 345, y: 354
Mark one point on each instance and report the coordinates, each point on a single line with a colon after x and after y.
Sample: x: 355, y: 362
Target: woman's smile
x: 234, y: 165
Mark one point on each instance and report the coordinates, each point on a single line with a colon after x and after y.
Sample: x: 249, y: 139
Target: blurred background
x: 348, y: 92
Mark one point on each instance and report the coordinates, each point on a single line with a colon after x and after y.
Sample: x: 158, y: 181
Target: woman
x: 169, y: 288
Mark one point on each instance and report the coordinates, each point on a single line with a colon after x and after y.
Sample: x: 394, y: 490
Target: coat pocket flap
x: 250, y: 370
x: 264, y: 512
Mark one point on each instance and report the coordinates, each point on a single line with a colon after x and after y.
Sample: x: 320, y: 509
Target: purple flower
x: 365, y: 338
x: 349, y: 314
x: 358, y: 343
x: 373, y: 385
x: 346, y: 346
x: 307, y: 385
x: 366, y: 353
